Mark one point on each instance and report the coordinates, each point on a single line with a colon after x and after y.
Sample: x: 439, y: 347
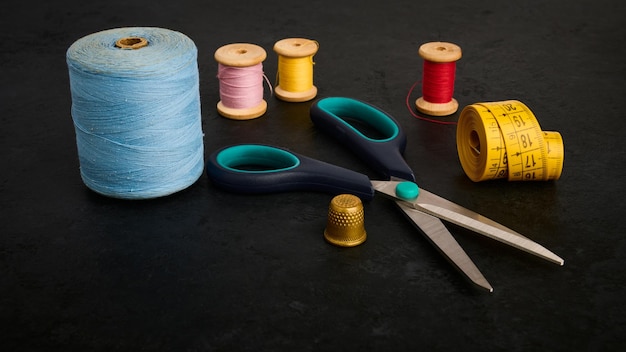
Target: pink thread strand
x: 241, y: 87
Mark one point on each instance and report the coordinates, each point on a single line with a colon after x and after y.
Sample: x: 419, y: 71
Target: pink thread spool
x: 240, y: 73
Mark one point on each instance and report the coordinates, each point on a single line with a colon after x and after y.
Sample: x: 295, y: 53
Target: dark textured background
x: 206, y: 270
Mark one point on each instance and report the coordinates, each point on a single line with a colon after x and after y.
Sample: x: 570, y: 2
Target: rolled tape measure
x: 504, y: 140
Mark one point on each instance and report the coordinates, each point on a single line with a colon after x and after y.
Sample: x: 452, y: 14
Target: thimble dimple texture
x: 345, y: 226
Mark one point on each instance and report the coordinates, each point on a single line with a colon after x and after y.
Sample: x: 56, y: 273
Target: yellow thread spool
x: 295, y: 69
x: 241, y: 55
x: 438, y: 52
x: 504, y: 140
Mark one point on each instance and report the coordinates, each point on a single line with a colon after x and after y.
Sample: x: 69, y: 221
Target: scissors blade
x: 456, y: 214
x: 442, y: 239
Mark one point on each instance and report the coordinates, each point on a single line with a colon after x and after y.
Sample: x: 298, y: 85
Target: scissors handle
x: 382, y: 150
x: 258, y: 168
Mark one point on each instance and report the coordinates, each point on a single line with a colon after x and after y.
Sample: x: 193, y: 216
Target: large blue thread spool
x: 136, y: 111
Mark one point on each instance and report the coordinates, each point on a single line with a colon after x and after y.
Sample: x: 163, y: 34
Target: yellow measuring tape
x: 503, y: 140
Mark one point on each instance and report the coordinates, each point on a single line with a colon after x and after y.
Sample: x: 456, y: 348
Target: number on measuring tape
x: 504, y: 139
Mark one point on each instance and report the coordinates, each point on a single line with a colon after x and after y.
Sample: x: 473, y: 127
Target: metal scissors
x: 259, y: 168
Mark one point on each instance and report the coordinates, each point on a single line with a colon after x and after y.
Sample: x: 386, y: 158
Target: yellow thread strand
x: 295, y: 74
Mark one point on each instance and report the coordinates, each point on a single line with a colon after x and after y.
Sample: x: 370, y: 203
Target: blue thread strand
x: 136, y: 112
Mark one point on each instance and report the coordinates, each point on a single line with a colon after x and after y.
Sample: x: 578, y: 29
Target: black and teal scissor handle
x: 259, y: 168
x: 383, y: 151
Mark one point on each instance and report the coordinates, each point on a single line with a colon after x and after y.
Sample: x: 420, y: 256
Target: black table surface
x: 203, y: 269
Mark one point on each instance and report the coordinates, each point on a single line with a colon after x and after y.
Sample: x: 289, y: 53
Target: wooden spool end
x: 240, y: 55
x: 296, y: 47
x: 440, y: 52
x: 295, y: 97
x: 242, y: 114
x: 437, y: 109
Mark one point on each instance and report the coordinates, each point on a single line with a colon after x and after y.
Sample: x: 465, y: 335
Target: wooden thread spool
x: 438, y: 78
x: 295, y: 69
x: 241, y: 55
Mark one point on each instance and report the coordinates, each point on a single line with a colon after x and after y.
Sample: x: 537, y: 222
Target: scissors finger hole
x: 256, y: 159
x: 364, y: 128
x: 369, y: 122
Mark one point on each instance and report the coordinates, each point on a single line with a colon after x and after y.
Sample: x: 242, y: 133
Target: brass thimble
x: 345, y: 226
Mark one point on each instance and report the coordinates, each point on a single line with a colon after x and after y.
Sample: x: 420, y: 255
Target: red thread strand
x: 438, y: 81
x: 410, y: 108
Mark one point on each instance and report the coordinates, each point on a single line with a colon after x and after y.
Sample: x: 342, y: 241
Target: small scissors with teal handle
x: 255, y: 168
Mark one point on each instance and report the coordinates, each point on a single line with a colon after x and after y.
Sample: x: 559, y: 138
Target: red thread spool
x: 438, y: 78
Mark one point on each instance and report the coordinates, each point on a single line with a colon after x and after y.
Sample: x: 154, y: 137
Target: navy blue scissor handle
x: 336, y: 116
x: 259, y: 168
